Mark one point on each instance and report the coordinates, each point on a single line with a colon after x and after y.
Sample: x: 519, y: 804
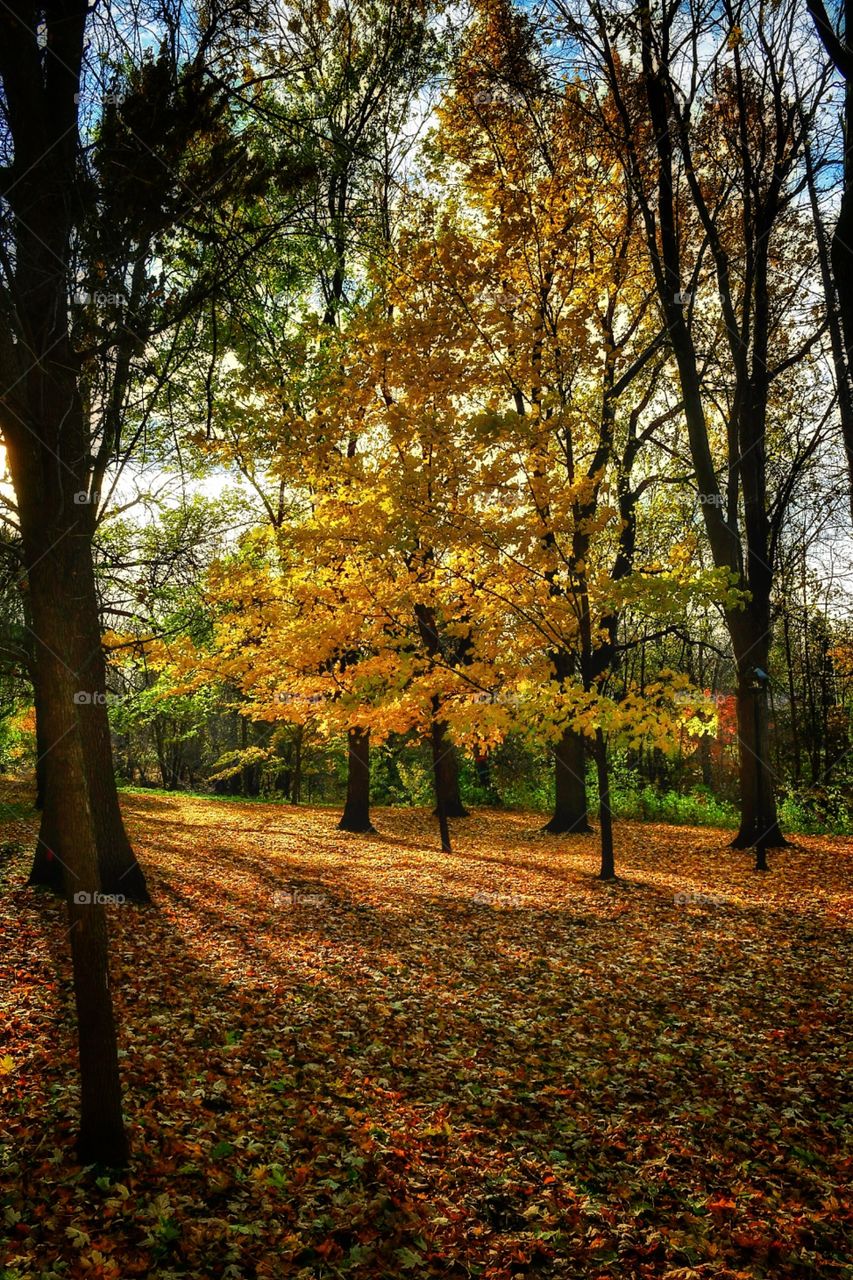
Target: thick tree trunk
x: 120, y: 872
x: 42, y: 746
x: 46, y: 871
x: 55, y: 582
x: 101, y: 1138
x: 759, y: 820
x: 356, y: 814
x: 446, y: 766
x: 605, y: 812
x: 745, y: 552
x: 49, y: 450
x: 570, y: 803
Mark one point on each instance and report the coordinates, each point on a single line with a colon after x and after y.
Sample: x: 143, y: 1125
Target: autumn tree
x: 710, y: 127
x: 346, y: 77
x: 101, y: 163
x: 836, y: 261
x: 44, y: 429
x: 503, y: 124
x: 348, y: 615
x: 156, y: 134
x: 551, y: 284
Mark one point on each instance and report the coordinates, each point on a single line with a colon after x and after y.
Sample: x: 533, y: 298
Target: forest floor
x: 356, y: 1056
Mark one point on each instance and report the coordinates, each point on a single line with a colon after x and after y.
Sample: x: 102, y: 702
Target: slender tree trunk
x: 244, y: 742
x: 439, y: 755
x: 837, y: 288
x: 605, y: 812
x: 825, y: 704
x: 159, y: 733
x: 841, y: 253
x: 762, y: 832
x: 570, y: 800
x: 484, y: 772
x: 705, y: 761
x: 792, y: 695
x: 356, y: 814
x: 296, y: 784
x: 445, y: 760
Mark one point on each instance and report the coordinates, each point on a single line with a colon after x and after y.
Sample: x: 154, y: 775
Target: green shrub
x: 817, y: 810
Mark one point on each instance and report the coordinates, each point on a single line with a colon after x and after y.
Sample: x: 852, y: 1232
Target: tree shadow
x: 418, y: 1064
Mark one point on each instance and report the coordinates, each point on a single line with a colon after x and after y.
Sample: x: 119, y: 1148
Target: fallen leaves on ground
x: 356, y: 1056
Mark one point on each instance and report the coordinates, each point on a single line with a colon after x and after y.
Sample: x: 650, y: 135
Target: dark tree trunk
x: 605, y: 812
x: 49, y: 450
x: 842, y: 256
x: 158, y: 726
x: 742, y: 547
x: 57, y: 581
x: 757, y: 792
x: 102, y: 1138
x: 42, y: 746
x: 792, y: 696
x: 836, y: 264
x: 445, y: 760
x: 439, y: 755
x: 46, y: 871
x: 120, y: 872
x: 570, y: 803
x: 356, y: 814
x: 446, y: 767
x: 705, y: 761
x: 249, y: 782
x: 842, y: 266
x: 296, y: 785
x: 484, y: 771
